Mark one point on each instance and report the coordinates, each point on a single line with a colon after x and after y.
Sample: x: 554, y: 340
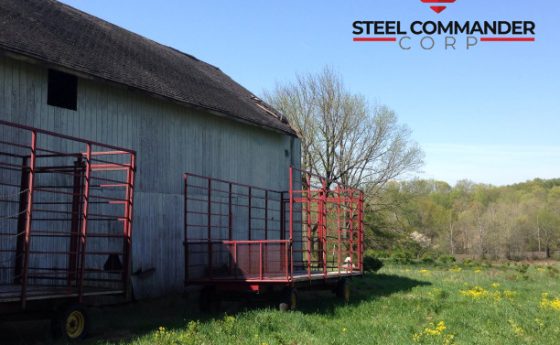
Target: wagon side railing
x: 326, y: 218
x: 241, y: 233
x: 233, y: 232
x: 65, y: 215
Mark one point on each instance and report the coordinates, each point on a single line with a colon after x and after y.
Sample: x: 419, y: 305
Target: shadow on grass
x: 128, y: 322
x: 112, y: 324
x: 367, y: 288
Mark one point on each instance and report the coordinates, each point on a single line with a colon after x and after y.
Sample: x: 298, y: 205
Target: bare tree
x: 342, y: 137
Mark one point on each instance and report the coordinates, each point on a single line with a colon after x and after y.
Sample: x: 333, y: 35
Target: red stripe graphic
x: 507, y: 39
x: 374, y: 39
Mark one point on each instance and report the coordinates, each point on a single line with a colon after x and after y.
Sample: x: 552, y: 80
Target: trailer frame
x: 239, y: 237
x: 69, y: 243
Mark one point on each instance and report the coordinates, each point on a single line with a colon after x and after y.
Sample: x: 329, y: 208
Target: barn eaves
x: 57, y: 35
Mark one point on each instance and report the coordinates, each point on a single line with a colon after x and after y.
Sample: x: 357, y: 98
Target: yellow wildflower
x: 448, y: 339
x: 475, y: 292
x: 438, y: 329
x: 434, y: 331
x: 517, y: 330
x: 495, y: 285
x: 550, y: 303
x: 539, y: 323
x: 425, y: 271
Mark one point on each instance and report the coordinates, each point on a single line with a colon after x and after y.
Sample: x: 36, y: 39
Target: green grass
x: 399, y: 305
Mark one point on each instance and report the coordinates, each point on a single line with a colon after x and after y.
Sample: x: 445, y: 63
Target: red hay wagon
x: 244, y: 238
x: 65, y: 225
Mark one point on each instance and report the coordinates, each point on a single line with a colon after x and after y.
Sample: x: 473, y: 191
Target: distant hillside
x: 516, y: 221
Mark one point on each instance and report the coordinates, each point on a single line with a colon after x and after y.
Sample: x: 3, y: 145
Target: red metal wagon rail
x: 242, y: 236
x: 65, y: 217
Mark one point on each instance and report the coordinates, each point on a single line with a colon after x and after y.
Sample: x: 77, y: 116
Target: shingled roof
x: 57, y: 34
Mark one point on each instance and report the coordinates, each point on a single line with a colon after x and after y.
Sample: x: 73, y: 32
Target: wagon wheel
x: 73, y: 323
x: 343, y: 290
x: 289, y: 299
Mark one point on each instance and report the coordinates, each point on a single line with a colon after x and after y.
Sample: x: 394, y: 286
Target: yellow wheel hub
x: 75, y: 324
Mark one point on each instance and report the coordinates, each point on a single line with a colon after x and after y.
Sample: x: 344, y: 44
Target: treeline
x: 423, y: 217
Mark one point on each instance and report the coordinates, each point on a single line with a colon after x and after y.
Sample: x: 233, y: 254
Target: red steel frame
x: 213, y: 210
x: 331, y: 218
x: 242, y: 234
x: 100, y: 199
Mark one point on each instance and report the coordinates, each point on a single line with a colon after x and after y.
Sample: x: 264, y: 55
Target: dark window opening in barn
x: 62, y: 90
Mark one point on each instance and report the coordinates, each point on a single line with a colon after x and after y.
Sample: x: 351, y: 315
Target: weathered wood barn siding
x: 170, y: 139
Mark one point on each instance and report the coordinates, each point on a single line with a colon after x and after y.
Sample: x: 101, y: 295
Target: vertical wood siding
x: 169, y: 140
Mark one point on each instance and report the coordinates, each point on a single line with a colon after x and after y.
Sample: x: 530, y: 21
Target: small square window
x: 62, y: 90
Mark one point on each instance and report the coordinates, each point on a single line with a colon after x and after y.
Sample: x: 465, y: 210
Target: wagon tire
x: 72, y: 323
x: 343, y: 290
x: 289, y: 299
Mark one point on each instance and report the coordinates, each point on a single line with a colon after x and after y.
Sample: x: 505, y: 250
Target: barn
x: 70, y: 73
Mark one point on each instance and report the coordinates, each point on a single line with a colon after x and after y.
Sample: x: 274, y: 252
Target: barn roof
x: 59, y: 35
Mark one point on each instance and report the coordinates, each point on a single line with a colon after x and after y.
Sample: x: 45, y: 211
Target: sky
x: 489, y: 114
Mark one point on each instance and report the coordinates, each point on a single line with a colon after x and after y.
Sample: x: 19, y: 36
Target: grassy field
x: 414, y: 304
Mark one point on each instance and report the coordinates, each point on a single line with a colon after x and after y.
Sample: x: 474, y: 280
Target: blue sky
x: 489, y: 114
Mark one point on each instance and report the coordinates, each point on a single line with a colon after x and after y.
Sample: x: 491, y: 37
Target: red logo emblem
x: 440, y: 8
